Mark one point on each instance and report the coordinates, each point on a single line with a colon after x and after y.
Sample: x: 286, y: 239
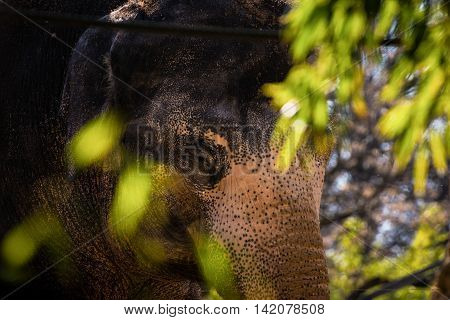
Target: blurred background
x: 376, y: 231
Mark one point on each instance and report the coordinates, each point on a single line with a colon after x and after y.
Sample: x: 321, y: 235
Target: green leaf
x: 447, y: 140
x: 18, y: 247
x: 404, y: 148
x: 389, y: 9
x: 359, y: 106
x: 320, y: 114
x: 395, y: 120
x: 438, y: 153
x: 131, y: 199
x: 420, y: 171
x: 294, y: 140
x: 22, y: 242
x: 95, y: 140
x: 215, y: 265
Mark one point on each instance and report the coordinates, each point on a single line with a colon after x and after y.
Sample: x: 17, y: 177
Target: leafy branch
x: 331, y: 42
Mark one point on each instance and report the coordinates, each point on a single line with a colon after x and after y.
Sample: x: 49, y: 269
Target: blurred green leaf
x: 139, y: 194
x: 447, y: 139
x: 293, y: 142
x: 404, y: 147
x: 320, y: 114
x: 359, y: 106
x: 332, y: 41
x: 96, y: 139
x: 395, y: 120
x: 132, y: 196
x: 420, y: 173
x: 389, y: 9
x: 438, y: 153
x: 21, y: 243
x: 215, y: 265
x: 18, y: 247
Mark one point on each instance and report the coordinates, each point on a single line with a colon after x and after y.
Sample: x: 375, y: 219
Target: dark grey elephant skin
x: 32, y: 73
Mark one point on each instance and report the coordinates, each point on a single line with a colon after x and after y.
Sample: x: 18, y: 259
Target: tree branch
x: 423, y: 276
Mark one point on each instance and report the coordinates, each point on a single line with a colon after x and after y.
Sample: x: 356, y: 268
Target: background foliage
x: 376, y: 74
x: 333, y: 41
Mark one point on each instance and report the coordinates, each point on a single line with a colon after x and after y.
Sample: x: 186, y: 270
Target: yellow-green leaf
x: 420, y: 171
x: 359, y: 106
x: 95, y: 140
x: 18, y: 247
x: 395, y: 121
x: 294, y: 140
x: 131, y: 199
x: 438, y: 153
x: 404, y: 148
x: 215, y: 265
x: 389, y: 10
x: 447, y: 139
x: 320, y: 115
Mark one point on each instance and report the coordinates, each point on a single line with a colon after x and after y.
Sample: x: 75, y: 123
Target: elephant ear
x: 88, y: 84
x: 85, y: 86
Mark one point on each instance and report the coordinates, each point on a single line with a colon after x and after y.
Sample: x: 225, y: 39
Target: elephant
x: 200, y: 100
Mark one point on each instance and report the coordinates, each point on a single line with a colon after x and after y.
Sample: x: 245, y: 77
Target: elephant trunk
x: 269, y: 224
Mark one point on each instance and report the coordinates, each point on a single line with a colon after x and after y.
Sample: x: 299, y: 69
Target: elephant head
x: 201, y: 101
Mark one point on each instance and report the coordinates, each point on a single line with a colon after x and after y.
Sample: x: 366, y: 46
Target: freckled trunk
x: 269, y: 222
x: 285, y: 261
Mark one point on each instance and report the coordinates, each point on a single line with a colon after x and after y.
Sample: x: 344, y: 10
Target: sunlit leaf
x: 344, y: 90
x: 426, y: 95
x: 280, y: 94
x: 214, y: 295
x: 395, y: 121
x: 404, y: 148
x: 21, y: 243
x: 96, y: 139
x: 438, y: 153
x: 294, y: 140
x: 447, y: 140
x: 355, y: 25
x: 215, y: 265
x: 389, y: 10
x: 132, y: 196
x: 420, y: 172
x: 320, y: 115
x: 397, y: 79
x: 359, y: 106
x: 18, y: 247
